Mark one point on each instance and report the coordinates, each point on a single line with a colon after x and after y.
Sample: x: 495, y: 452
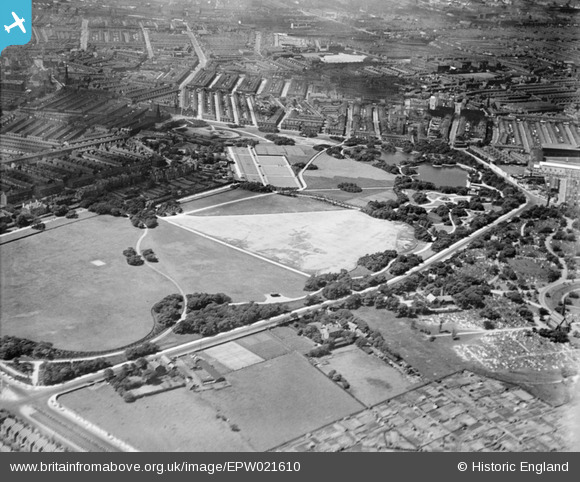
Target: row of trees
x: 133, y: 258
x: 377, y: 261
x: 253, y: 186
x: 168, y: 310
x: 14, y: 347
x: 280, y: 140
x: 217, y: 318
x: 349, y: 187
x: 53, y: 373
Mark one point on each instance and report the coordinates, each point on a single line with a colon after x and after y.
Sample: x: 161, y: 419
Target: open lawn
x: 73, y: 287
x: 280, y: 399
x: 333, y: 171
x: 174, y: 421
x: 360, y: 199
x: 270, y: 204
x: 218, y: 198
x: 331, y: 182
x: 314, y: 242
x: 202, y: 265
x: 371, y: 379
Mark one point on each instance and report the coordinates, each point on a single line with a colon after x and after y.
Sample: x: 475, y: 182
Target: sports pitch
x: 312, y: 242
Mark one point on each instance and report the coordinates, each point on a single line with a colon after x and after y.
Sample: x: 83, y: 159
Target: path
x: 169, y: 278
x: 241, y: 250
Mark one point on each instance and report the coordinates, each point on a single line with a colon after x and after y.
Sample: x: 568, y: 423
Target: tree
x: 23, y: 220
x: 489, y: 325
x: 39, y: 226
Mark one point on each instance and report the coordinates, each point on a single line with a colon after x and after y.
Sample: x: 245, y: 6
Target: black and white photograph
x: 235, y: 226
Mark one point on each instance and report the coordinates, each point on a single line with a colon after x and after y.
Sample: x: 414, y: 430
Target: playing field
x: 313, y: 242
x: 233, y: 356
x: 73, y: 287
x: 174, y: 421
x: 201, y: 265
x: 280, y: 399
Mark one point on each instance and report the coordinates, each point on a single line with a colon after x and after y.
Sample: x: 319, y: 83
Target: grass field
x: 264, y: 345
x: 313, y: 242
x: 213, y: 199
x: 73, y: 287
x: 280, y: 399
x: 371, y: 379
x: 331, y: 182
x: 201, y: 265
x: 289, y: 339
x: 333, y: 171
x: 269, y: 205
x: 174, y: 421
x: 359, y: 199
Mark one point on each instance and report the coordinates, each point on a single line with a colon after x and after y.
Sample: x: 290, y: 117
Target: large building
x: 563, y: 174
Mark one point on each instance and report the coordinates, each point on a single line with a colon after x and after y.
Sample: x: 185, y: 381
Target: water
x: 395, y: 157
x: 442, y: 176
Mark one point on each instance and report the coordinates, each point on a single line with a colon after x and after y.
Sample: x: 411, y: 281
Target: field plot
x: 181, y: 422
x: 277, y: 171
x: 371, y: 379
x: 333, y: 171
x: 233, y: 356
x: 73, y: 287
x: 288, y: 338
x: 431, y: 359
x: 245, y: 166
x: 202, y: 265
x: 269, y: 204
x: 313, y: 242
x: 280, y: 399
x: 264, y: 345
x: 294, y: 154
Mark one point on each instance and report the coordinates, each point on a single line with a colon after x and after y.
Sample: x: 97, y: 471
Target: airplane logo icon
x: 18, y: 22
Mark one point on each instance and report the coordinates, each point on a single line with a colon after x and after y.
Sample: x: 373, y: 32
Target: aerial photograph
x: 290, y: 226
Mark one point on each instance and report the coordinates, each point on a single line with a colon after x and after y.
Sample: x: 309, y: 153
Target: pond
x: 442, y: 176
x: 395, y: 157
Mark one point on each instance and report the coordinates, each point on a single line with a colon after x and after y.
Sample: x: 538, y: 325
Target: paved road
x: 202, y: 63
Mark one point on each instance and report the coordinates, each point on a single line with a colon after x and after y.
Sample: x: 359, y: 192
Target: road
x: 201, y: 64
x: 64, y: 150
x: 147, y: 40
x: 556, y: 317
x: 84, y: 34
